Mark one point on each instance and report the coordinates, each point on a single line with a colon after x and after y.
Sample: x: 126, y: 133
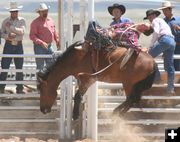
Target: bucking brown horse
x: 88, y: 62
x: 97, y: 58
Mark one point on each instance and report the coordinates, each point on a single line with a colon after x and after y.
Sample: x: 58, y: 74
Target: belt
x: 49, y: 44
x: 160, y: 37
x: 14, y: 42
x: 178, y: 43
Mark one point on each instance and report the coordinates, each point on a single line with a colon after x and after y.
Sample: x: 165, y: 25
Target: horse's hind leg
x: 125, y: 106
x: 133, y: 97
x: 133, y: 92
x: 85, y: 81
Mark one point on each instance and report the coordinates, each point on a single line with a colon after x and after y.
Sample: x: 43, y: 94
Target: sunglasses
x: 13, y: 11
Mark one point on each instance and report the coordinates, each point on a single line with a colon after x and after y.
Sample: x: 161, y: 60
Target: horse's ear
x: 78, y: 47
x: 82, y: 47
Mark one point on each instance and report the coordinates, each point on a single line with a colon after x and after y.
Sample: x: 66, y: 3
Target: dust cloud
x: 122, y: 132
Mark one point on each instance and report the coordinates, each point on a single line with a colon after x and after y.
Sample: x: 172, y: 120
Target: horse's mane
x: 44, y: 72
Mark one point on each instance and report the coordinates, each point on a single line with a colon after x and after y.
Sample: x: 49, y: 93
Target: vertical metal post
x: 61, y: 23
x: 62, y: 97
x: 92, y: 112
x: 62, y: 112
x: 70, y: 21
x: 90, y: 9
x: 69, y: 80
x: 83, y: 18
x: 69, y: 94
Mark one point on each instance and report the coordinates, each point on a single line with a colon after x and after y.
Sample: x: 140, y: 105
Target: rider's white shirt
x: 160, y: 28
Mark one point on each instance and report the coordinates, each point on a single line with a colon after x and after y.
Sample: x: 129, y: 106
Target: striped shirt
x: 125, y: 32
x: 16, y: 26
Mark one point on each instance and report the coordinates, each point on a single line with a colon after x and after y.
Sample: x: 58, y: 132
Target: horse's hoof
x: 118, y: 113
x: 6, y: 102
x: 115, y: 112
x: 75, y: 117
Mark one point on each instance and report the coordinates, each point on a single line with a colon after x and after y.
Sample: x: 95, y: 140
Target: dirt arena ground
x: 17, y: 139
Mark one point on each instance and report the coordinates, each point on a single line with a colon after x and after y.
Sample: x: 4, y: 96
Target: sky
x: 6, y: 2
x: 2, y: 1
x: 30, y: 5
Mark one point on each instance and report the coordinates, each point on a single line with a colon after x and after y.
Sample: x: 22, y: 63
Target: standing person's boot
x: 5, y: 102
x: 2, y: 91
x: 170, y: 92
x: 19, y: 89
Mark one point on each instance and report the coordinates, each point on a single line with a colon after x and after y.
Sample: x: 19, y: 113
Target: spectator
x: 174, y: 23
x: 117, y: 11
x: 12, y: 31
x: 43, y: 33
x: 162, y: 42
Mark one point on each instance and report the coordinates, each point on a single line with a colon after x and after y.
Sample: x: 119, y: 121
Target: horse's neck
x: 58, y: 74
x: 69, y: 66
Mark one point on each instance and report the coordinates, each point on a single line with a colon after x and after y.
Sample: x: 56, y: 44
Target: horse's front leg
x: 85, y: 81
x: 77, y: 102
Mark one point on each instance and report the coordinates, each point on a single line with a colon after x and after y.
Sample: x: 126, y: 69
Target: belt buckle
x: 14, y: 42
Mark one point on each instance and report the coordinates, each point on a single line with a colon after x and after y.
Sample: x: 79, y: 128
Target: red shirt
x: 127, y: 34
x: 43, y: 30
x: 122, y: 32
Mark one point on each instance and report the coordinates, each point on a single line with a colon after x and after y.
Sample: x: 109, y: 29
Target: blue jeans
x: 5, y: 63
x: 177, y: 61
x: 166, y: 45
x: 39, y: 50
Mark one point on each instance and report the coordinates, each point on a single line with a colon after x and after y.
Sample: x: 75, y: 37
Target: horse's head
x: 50, y: 76
x: 47, y: 95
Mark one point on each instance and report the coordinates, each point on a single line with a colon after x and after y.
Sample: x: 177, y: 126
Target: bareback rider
x: 126, y: 34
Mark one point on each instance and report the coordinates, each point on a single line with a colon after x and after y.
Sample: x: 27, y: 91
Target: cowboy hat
x: 151, y: 12
x: 14, y: 7
x: 42, y: 7
x: 121, y: 7
x: 166, y: 4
